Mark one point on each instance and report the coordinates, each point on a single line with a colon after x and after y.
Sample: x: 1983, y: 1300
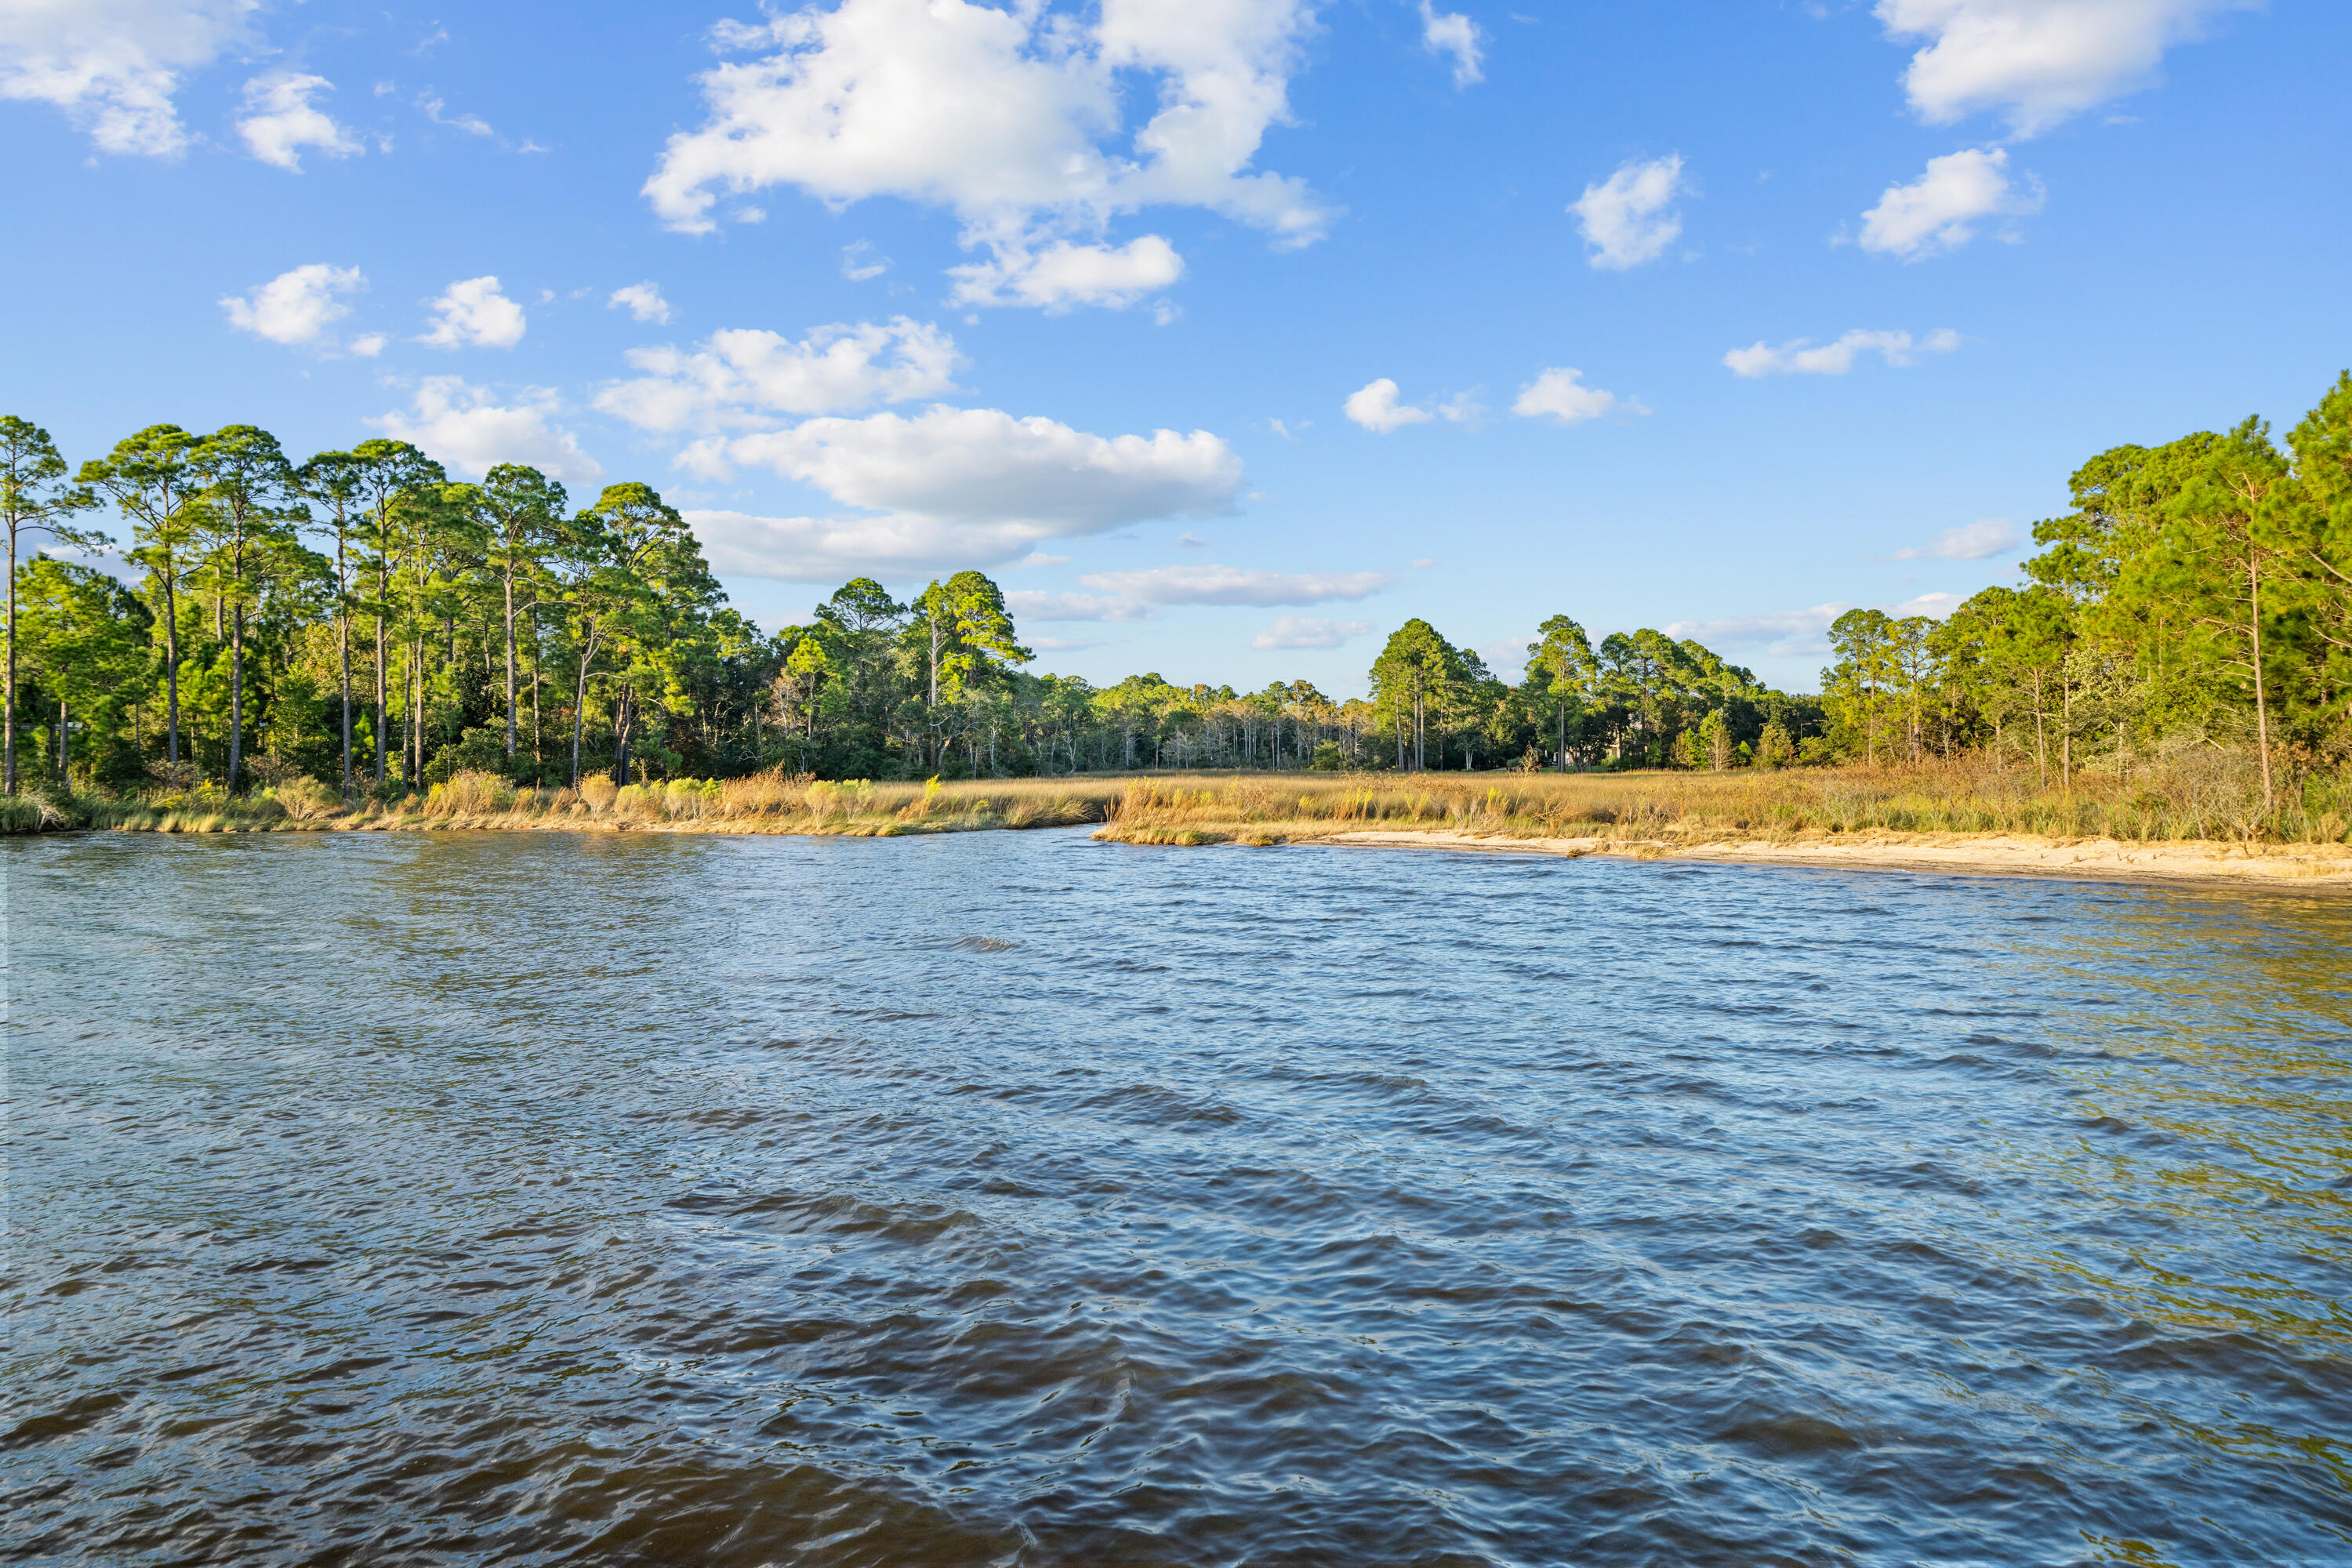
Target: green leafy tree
x: 522, y: 510
x: 396, y: 484
x: 251, y: 505
x: 83, y: 631
x: 1562, y: 662
x: 154, y: 483
x: 967, y: 639
x: 34, y: 499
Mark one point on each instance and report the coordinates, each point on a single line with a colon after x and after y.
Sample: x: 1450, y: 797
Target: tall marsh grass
x: 2196, y: 796
x: 2197, y: 793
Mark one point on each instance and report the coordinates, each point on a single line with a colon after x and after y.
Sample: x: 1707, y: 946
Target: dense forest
x: 361, y: 618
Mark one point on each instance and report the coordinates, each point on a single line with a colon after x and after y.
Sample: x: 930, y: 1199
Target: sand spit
x: 2303, y: 867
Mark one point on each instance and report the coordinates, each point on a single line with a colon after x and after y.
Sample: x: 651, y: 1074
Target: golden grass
x: 2194, y: 799
x: 2200, y: 796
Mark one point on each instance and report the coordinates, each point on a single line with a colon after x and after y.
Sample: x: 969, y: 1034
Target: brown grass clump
x: 2199, y: 797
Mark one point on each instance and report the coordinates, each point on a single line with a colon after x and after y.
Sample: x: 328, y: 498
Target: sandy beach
x: 2303, y: 867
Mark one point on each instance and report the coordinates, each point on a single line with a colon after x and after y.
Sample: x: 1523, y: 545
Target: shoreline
x: 2312, y: 867
x: 2303, y: 868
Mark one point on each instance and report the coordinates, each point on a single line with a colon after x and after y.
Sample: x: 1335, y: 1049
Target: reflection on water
x: 1015, y: 1198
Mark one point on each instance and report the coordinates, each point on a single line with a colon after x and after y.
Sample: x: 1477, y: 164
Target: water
x: 1012, y: 1198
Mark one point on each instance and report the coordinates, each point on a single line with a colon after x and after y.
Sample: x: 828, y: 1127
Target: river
x: 1013, y: 1198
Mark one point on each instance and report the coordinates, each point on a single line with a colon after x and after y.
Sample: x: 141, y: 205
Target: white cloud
x: 1374, y: 406
x: 643, y: 300
x: 1015, y: 118
x: 1063, y: 275
x: 298, y: 306
x: 954, y: 487
x: 1628, y: 219
x: 1789, y: 632
x: 114, y: 65
x: 1782, y: 632
x: 855, y: 265
x: 367, y: 345
x: 1043, y: 606
x: 460, y: 425
x: 435, y: 108
x: 981, y: 465
x: 1559, y: 395
x: 744, y: 376
x: 278, y: 121
x: 1305, y: 632
x: 1451, y: 33
x: 474, y: 311
x: 2038, y: 62
x: 1235, y: 585
x: 1939, y: 210
x: 1970, y: 542
x: 1795, y: 358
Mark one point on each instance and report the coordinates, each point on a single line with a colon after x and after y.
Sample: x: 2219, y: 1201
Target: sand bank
x: 2303, y: 867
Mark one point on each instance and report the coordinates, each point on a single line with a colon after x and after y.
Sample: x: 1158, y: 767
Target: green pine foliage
x: 362, y: 621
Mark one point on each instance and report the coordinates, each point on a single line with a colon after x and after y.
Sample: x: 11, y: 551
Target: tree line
x: 362, y: 618
x: 2198, y: 594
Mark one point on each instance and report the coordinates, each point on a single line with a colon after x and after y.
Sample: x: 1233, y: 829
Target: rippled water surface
x: 1015, y: 1198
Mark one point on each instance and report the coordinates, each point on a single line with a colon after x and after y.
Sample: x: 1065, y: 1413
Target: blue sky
x: 1227, y: 334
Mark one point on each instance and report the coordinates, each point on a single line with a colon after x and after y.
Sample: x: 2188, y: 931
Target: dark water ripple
x: 1017, y: 1199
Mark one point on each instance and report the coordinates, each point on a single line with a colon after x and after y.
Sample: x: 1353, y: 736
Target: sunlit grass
x: 2205, y: 796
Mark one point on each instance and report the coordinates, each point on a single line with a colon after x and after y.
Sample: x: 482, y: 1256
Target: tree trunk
x: 236, y: 695
x: 8, y: 723
x: 2253, y: 625
x: 381, y: 746
x: 64, y: 741
x: 579, y: 711
x: 344, y: 653
x: 510, y: 673
x: 171, y: 663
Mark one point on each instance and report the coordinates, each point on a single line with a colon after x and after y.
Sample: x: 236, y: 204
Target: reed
x: 2196, y: 794
x: 2215, y: 796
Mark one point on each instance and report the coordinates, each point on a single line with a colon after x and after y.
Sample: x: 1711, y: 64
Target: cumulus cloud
x: 1560, y: 396
x: 1796, y: 358
x: 1307, y: 632
x: 1629, y: 218
x: 467, y: 428
x: 474, y: 312
x: 744, y: 376
x: 983, y: 465
x: 1970, y: 542
x: 1941, y: 210
x: 1063, y: 275
x: 298, y: 306
x: 2037, y: 62
x: 1451, y: 33
x: 952, y: 488
x: 1013, y: 117
x: 643, y: 301
x: 1211, y: 585
x: 1031, y: 605
x: 112, y: 66
x: 859, y: 263
x: 1804, y: 631
x: 1374, y: 406
x: 278, y: 121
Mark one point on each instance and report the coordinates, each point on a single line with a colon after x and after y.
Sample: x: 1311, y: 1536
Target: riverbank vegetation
x: 353, y: 638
